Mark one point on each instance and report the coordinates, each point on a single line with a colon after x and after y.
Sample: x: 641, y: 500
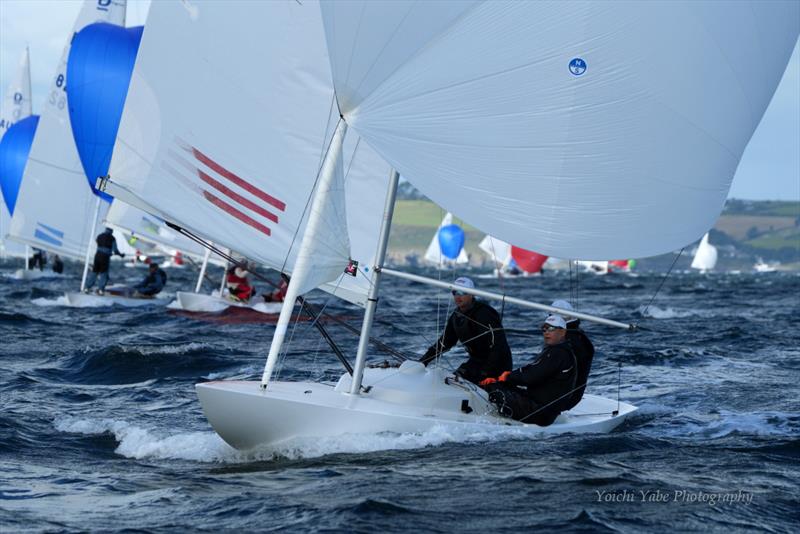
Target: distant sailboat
x: 15, y: 106
x: 54, y: 202
x: 705, y: 259
x: 443, y: 249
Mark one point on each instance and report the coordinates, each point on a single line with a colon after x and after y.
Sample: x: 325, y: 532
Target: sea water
x: 100, y: 428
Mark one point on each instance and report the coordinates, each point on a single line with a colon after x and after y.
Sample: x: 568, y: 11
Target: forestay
x: 226, y: 136
x: 55, y: 205
x: 576, y: 129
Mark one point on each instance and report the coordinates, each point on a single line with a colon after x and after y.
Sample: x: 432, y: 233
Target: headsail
x: 571, y: 128
x: 246, y: 187
x: 54, y: 205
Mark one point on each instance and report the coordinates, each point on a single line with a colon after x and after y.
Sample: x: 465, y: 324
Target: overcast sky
x: 769, y: 170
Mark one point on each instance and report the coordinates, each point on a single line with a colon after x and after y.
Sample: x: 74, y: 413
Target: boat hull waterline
x: 77, y: 299
x: 246, y: 416
x: 198, y: 302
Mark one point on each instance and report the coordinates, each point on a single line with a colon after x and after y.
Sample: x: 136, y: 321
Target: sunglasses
x: 458, y: 293
x: 549, y: 328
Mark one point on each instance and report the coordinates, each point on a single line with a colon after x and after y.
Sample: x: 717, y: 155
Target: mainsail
x: 242, y: 174
x: 54, y: 205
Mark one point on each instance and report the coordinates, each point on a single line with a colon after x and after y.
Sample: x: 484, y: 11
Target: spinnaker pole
x: 303, y: 264
x: 372, y: 296
x: 91, y: 240
x: 506, y: 298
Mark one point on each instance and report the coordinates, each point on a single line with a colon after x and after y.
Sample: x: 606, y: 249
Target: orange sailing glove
x: 503, y: 377
x: 487, y: 381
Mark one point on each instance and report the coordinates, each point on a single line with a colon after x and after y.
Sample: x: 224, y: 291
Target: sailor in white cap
x: 478, y: 327
x: 539, y: 391
x: 581, y: 346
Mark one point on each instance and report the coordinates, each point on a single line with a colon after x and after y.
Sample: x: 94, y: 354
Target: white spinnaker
x: 16, y: 105
x: 705, y: 258
x: 498, y: 250
x: 55, y: 204
x: 241, y: 173
x: 434, y: 254
x: 481, y: 107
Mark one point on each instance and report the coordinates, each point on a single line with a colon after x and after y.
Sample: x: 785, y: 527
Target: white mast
x: 91, y: 240
x: 303, y: 265
x: 202, y: 271
x: 372, y: 297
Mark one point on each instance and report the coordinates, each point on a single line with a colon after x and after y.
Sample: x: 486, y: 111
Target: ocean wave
x: 45, y: 302
x: 670, y: 313
x: 207, y: 447
x: 127, y: 364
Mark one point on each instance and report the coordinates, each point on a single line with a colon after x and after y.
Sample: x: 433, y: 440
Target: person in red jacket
x: 238, y: 285
x: 279, y: 294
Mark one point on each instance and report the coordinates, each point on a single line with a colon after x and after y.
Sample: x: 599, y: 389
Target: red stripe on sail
x: 222, y: 171
x: 218, y: 202
x: 236, y: 196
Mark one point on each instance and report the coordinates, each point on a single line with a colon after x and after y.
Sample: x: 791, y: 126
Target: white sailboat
x: 762, y: 267
x: 499, y: 253
x: 705, y: 259
x: 433, y: 254
x: 593, y: 266
x: 16, y: 105
x: 445, y: 93
x: 54, y: 203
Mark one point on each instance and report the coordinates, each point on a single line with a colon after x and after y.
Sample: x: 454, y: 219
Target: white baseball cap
x: 555, y: 320
x: 463, y: 281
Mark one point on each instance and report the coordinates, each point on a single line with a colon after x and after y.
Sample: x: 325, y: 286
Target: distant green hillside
x: 770, y: 229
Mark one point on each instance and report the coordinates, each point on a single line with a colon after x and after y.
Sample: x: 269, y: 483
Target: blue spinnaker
x: 99, y: 71
x: 451, y: 240
x: 14, y: 149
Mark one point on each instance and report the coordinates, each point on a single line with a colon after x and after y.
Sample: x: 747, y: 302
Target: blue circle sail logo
x: 577, y: 66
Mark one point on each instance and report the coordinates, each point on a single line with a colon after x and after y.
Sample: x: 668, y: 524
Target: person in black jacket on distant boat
x: 106, y: 246
x: 583, y: 349
x: 153, y: 283
x: 477, y: 326
x: 541, y: 390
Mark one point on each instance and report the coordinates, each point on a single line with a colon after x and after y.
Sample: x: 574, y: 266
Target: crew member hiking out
x: 477, y: 326
x: 539, y: 391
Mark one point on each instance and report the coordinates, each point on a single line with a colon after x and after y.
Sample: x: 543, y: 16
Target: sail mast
x: 372, y: 297
x: 202, y: 271
x: 303, y: 265
x: 89, y: 244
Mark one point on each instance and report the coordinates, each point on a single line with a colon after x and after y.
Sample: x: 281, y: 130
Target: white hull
x: 35, y: 274
x: 77, y: 299
x: 198, y: 302
x: 411, y: 400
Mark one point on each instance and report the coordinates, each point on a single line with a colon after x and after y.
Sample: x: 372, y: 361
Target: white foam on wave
x: 140, y: 443
x: 670, y: 313
x: 182, y: 348
x: 60, y: 301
